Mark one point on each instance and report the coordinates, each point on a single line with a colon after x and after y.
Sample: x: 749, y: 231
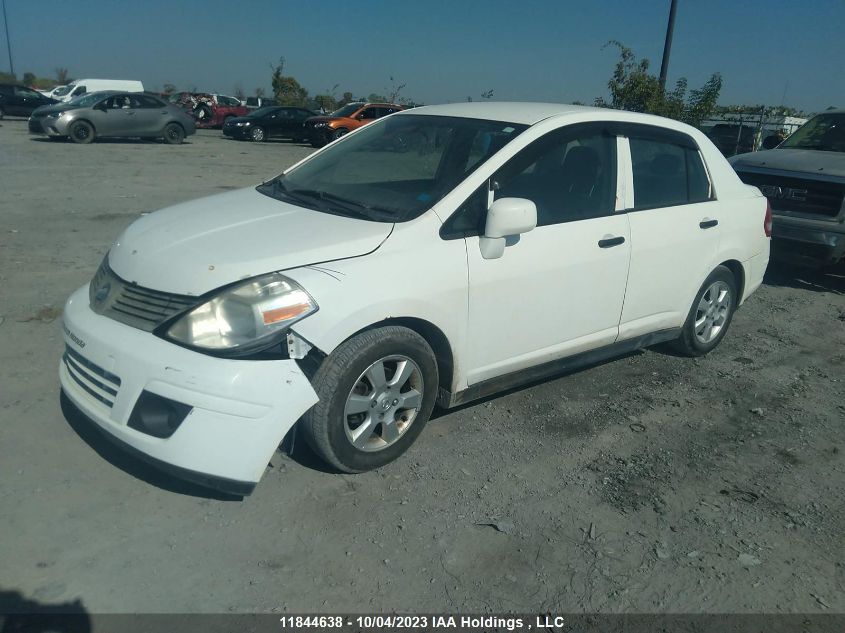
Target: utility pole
x: 667, y: 46
x: 8, y: 41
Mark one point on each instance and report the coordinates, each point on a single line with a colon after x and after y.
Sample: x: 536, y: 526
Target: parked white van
x: 82, y: 86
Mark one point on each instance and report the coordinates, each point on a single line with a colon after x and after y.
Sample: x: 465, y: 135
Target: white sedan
x: 436, y: 256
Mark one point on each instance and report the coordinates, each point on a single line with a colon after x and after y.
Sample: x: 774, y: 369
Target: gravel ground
x: 652, y: 483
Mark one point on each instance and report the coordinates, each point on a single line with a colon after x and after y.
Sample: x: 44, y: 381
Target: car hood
x: 240, y: 119
x: 812, y: 161
x: 197, y: 246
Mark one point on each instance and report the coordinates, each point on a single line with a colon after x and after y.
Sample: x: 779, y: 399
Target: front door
x: 558, y: 289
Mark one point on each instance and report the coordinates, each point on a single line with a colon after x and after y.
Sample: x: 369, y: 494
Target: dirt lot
x: 651, y: 483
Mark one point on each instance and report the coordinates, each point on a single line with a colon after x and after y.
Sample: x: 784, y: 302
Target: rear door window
x: 667, y: 174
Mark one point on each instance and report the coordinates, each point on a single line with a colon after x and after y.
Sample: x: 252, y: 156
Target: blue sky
x: 533, y: 50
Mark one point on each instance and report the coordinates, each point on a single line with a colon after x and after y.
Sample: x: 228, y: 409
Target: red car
x: 209, y: 110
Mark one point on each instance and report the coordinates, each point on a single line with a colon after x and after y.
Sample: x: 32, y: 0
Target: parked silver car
x: 113, y: 114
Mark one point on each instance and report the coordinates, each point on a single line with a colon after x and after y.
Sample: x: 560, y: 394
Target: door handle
x: 707, y: 224
x: 610, y: 242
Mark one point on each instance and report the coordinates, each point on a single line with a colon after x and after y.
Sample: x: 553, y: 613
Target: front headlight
x: 241, y: 123
x: 245, y: 317
x: 320, y: 124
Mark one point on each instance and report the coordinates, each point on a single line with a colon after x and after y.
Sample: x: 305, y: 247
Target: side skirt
x: 564, y: 365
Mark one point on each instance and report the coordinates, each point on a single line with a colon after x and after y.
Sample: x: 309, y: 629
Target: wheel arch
x: 433, y: 335
x: 738, y: 272
x: 82, y: 120
x: 174, y: 122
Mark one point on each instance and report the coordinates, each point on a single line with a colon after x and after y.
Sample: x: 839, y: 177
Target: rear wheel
x: 376, y: 391
x: 173, y: 134
x: 257, y: 134
x: 710, y: 314
x: 81, y: 132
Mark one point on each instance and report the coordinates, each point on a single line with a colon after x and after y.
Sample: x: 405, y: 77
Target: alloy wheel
x: 712, y: 312
x: 383, y: 403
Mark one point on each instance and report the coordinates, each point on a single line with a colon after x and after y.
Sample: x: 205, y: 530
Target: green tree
x: 168, y: 89
x: 286, y: 89
x: 29, y: 79
x: 346, y: 98
x: 632, y: 87
x: 8, y: 78
x: 61, y: 76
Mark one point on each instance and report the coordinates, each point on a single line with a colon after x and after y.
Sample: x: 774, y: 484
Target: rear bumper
x: 239, y: 410
x: 808, y: 238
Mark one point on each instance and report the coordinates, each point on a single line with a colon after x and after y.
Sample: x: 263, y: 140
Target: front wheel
x: 710, y: 315
x: 173, y: 134
x: 377, y: 391
x: 339, y: 133
x: 257, y: 134
x: 81, y: 132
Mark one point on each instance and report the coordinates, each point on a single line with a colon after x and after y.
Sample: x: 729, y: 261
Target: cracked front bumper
x: 239, y: 409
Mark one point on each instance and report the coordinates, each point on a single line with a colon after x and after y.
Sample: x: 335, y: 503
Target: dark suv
x: 16, y: 100
x: 804, y: 180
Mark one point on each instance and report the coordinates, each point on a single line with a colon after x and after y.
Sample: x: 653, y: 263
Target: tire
x: 712, y: 309
x: 338, y: 133
x: 257, y: 134
x: 173, y: 134
x: 203, y: 113
x: 81, y: 132
x: 377, y: 429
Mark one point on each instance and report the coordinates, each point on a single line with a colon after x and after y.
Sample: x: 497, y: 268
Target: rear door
x: 147, y: 115
x: 675, y: 230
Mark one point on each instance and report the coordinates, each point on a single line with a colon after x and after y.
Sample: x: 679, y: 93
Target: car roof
x: 511, y: 111
x: 531, y: 113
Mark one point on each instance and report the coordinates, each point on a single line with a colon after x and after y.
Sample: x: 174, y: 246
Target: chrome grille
x: 799, y: 195
x: 131, y: 304
x: 93, y: 379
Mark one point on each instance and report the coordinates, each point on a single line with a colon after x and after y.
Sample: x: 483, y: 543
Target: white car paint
x: 497, y: 315
x: 84, y: 86
x: 200, y: 245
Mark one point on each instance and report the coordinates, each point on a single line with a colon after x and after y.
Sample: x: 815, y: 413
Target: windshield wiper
x: 351, y: 206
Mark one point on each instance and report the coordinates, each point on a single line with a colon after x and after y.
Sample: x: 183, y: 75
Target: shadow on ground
x: 785, y: 275
x: 21, y: 615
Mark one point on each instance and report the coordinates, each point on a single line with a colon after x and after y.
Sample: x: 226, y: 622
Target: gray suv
x: 804, y: 180
x: 113, y: 114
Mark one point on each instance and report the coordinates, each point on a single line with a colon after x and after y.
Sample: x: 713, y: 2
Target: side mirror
x: 506, y: 217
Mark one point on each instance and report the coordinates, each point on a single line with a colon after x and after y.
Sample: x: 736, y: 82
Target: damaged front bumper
x: 211, y: 420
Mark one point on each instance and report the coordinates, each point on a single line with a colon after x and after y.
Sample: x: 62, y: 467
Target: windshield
x: 61, y: 92
x: 394, y: 169
x: 346, y: 110
x: 261, y: 112
x: 824, y: 132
